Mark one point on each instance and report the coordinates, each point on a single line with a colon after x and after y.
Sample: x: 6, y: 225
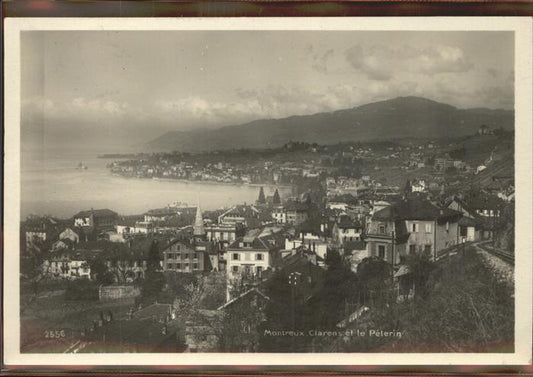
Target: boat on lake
x: 82, y: 167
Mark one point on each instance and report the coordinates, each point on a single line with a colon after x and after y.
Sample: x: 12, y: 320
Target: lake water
x: 52, y: 185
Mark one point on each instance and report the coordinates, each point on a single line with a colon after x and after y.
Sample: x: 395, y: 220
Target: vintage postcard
x: 325, y: 191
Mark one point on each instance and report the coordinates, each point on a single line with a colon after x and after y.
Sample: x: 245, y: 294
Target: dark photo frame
x: 458, y: 201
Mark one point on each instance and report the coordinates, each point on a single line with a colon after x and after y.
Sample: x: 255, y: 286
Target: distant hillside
x: 396, y: 118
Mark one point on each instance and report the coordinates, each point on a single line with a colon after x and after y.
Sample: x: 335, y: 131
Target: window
x: 414, y: 227
x: 427, y: 249
x: 382, y: 229
x: 195, y: 266
x: 235, y: 269
x: 259, y: 269
x: 428, y: 228
x: 178, y: 266
x: 381, y: 251
x: 170, y: 266
x: 412, y: 249
x: 235, y: 256
x: 183, y: 256
x: 258, y: 256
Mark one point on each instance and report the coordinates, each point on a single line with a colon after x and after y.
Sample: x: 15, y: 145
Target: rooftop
x: 97, y: 213
x: 415, y: 209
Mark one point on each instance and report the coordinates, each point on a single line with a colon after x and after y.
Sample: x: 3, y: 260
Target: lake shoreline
x: 188, y: 181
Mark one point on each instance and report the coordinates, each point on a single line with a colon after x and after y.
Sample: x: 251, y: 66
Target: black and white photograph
x: 259, y: 190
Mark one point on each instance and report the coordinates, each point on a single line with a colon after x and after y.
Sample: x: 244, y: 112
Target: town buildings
x: 69, y: 265
x: 224, y: 234
x: 194, y: 254
x: 293, y: 213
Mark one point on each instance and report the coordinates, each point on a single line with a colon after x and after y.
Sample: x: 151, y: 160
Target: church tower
x: 198, y: 228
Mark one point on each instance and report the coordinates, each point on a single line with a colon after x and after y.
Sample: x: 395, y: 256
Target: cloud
x: 374, y: 61
x: 319, y: 61
x: 382, y: 63
x: 90, y: 110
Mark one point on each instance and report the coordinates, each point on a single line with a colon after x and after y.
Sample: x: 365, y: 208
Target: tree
x: 468, y: 308
x: 420, y: 268
x: 152, y: 285
x: 261, y: 199
x: 288, y: 311
x: 154, y: 258
x: 276, y: 199
x: 373, y: 279
x: 338, y: 291
x: 241, y: 325
x: 33, y: 269
x: 100, y: 272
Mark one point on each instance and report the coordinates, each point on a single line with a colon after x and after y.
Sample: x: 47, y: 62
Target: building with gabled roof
x: 410, y: 226
x: 346, y: 229
x: 157, y: 215
x: 97, y: 219
x: 246, y: 215
x: 40, y: 229
x: 250, y: 255
x: 292, y: 212
x: 195, y: 254
x: 183, y: 255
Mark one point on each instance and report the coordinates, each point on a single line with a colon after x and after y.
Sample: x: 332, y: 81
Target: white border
x: 522, y: 26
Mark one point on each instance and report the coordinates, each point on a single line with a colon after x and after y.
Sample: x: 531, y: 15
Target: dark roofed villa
x: 99, y: 219
x: 411, y: 226
x: 416, y: 209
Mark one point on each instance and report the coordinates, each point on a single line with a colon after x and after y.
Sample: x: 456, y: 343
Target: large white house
x: 250, y: 255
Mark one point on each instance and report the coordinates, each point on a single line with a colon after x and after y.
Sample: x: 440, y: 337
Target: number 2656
x: 54, y: 334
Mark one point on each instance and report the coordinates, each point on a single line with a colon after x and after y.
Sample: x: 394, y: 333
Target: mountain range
x: 385, y: 120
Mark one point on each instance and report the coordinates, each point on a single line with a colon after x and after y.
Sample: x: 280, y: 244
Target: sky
x: 131, y: 86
